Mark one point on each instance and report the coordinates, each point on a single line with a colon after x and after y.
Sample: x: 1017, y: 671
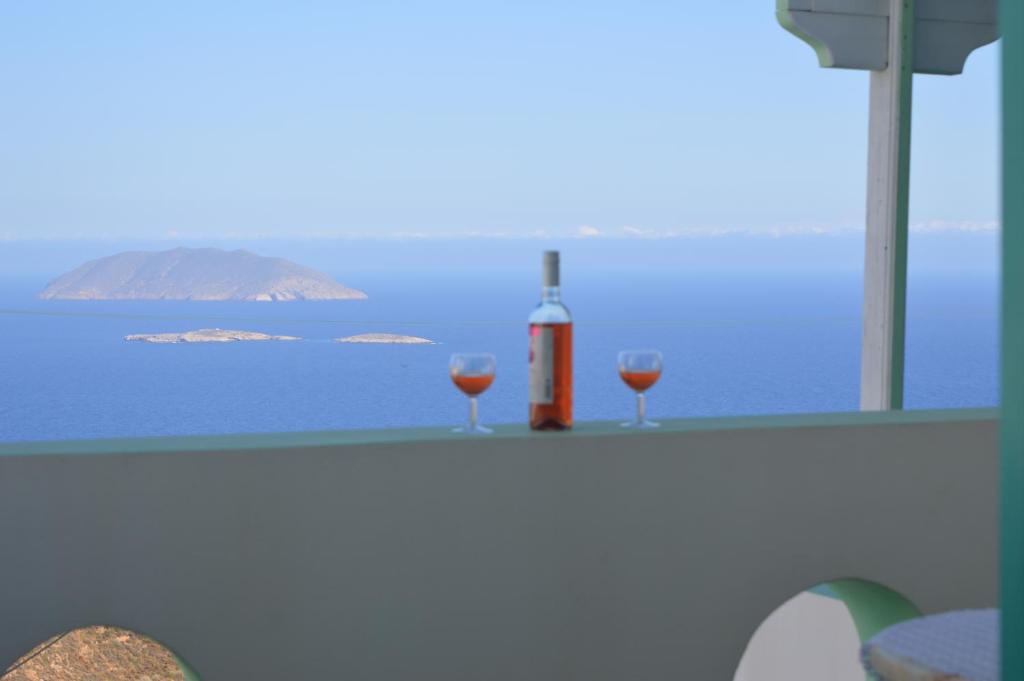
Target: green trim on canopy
x: 785, y: 19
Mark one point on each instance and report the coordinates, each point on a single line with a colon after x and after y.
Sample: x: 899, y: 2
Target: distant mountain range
x: 195, y: 274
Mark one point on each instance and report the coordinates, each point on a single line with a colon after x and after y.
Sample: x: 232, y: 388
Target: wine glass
x: 472, y: 373
x: 640, y: 369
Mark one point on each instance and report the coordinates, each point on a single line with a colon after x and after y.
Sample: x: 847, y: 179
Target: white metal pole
x: 885, y: 256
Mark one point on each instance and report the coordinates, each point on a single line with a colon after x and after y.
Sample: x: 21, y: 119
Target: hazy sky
x: 441, y: 118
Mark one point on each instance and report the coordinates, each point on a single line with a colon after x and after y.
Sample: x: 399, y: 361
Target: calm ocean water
x: 750, y: 343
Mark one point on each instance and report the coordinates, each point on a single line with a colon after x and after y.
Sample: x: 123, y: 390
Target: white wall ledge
x: 411, y: 554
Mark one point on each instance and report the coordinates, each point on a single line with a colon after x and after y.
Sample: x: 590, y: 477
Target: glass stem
x: 472, y: 413
x: 641, y: 408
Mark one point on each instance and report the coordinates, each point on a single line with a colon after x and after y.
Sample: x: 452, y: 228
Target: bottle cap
x: 551, y: 268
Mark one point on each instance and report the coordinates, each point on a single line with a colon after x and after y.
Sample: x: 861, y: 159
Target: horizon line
x: 582, y: 233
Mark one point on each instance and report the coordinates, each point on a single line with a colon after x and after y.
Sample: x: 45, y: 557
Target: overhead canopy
x: 854, y: 34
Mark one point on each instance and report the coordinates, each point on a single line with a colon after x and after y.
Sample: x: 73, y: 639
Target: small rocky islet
x: 231, y: 336
x: 385, y: 338
x: 207, y: 336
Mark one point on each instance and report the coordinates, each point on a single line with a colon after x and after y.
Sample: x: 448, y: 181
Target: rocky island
x: 207, y: 336
x: 195, y: 274
x: 392, y: 338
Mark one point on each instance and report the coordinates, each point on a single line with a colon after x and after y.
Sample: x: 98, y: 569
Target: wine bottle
x: 551, y: 354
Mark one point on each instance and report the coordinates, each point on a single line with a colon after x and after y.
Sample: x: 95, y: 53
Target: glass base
x: 473, y: 430
x: 641, y: 425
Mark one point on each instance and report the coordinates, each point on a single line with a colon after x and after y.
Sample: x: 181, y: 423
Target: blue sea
x: 734, y: 343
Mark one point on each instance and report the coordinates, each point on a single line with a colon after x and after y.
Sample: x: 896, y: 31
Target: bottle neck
x: 551, y: 294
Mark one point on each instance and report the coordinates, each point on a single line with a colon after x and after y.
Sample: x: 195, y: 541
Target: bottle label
x: 542, y: 365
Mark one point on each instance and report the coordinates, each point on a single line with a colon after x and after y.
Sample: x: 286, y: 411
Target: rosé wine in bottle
x: 551, y: 355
